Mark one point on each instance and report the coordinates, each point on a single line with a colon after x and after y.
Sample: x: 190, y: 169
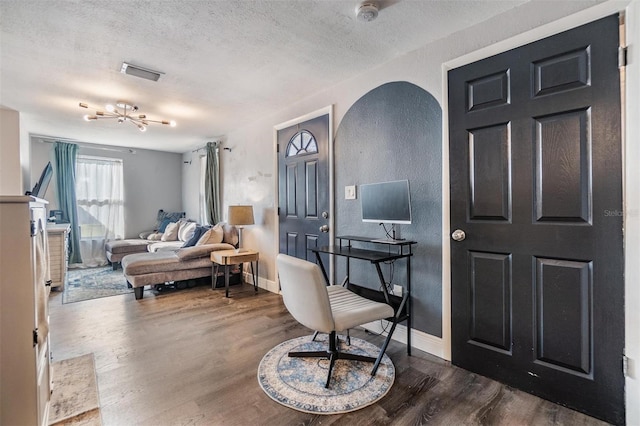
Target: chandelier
x: 125, y: 111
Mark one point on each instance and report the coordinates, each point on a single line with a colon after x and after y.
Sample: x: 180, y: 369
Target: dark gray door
x: 536, y: 186
x: 303, y: 187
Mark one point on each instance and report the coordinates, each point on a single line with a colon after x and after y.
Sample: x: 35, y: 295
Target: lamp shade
x: 241, y: 215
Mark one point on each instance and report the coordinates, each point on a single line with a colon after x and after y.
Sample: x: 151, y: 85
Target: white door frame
x: 317, y: 113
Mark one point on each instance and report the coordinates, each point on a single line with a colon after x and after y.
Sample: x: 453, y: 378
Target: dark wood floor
x: 190, y: 358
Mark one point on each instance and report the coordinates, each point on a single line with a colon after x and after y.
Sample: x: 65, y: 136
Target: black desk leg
x: 324, y: 272
x: 214, y: 275
x: 384, y: 348
x: 383, y: 284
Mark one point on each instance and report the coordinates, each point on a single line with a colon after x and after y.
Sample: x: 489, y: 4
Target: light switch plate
x: 350, y: 192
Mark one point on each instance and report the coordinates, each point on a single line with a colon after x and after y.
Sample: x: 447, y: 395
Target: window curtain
x: 100, y: 195
x: 212, y: 183
x: 202, y: 198
x: 65, y: 155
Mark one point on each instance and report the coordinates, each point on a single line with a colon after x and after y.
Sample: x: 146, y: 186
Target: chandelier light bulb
x: 123, y: 111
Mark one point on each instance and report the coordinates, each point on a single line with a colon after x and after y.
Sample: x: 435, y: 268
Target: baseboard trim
x: 419, y: 339
x: 263, y: 283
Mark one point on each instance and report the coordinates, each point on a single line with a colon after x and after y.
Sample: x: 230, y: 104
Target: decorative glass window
x: 302, y: 142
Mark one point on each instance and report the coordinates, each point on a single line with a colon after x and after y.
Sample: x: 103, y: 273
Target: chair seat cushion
x: 350, y: 310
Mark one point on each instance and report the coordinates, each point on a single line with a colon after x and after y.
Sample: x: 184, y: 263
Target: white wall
x: 152, y: 181
x: 10, y: 172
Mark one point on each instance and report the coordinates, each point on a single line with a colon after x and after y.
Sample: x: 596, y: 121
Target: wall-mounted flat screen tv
x: 386, y: 202
x: 43, y: 183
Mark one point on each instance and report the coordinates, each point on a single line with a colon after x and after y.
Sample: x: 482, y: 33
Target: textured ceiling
x: 224, y: 61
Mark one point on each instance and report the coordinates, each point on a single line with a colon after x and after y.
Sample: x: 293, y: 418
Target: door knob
x: 324, y: 228
x: 458, y: 235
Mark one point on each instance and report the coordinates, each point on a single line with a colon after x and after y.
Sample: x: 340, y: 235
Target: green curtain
x: 212, y: 183
x: 65, y: 155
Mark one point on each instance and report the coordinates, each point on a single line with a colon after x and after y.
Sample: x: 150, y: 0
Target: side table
x: 228, y: 258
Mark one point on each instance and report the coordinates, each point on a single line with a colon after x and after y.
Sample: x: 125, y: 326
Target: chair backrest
x: 304, y: 292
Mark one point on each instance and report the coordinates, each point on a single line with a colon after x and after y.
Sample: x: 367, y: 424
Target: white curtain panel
x: 100, y: 196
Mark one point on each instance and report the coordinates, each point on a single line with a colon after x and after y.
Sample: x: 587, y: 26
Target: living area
x: 190, y: 354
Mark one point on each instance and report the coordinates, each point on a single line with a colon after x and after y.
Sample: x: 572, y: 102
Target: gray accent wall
x: 394, y: 132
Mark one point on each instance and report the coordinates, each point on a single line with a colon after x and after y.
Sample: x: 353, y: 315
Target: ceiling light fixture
x: 124, y: 111
x: 367, y: 11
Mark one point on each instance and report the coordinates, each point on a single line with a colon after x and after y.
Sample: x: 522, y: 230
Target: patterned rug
x: 93, y: 283
x: 298, y: 383
x: 74, y: 400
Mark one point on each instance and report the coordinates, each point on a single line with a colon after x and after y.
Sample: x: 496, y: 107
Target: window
x: 302, y: 142
x: 100, y: 197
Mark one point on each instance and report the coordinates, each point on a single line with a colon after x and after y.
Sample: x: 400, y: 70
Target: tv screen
x: 43, y: 183
x: 386, y: 202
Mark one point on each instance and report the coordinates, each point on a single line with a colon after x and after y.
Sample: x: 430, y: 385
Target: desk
x: 401, y: 305
x: 228, y: 258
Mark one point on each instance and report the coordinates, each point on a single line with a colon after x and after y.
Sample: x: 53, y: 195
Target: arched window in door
x: 301, y: 143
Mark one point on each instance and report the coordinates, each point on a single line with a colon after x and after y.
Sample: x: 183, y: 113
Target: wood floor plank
x: 190, y: 357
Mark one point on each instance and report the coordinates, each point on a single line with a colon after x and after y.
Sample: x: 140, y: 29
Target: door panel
x: 563, y: 321
x: 563, y: 167
x: 490, y: 173
x: 491, y: 300
x: 536, y: 170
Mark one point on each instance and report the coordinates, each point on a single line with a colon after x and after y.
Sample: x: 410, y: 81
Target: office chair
x: 326, y: 309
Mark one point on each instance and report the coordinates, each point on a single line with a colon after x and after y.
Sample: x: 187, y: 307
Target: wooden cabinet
x: 58, y: 254
x: 25, y: 386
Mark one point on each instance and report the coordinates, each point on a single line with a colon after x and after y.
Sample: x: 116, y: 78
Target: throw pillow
x: 163, y: 225
x: 154, y: 236
x: 172, y: 216
x: 186, y: 230
x: 212, y: 236
x: 197, y: 233
x: 170, y: 232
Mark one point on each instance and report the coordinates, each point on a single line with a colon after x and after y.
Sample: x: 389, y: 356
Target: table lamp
x: 239, y: 216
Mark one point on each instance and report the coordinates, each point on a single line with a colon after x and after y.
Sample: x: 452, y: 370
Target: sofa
x: 180, y: 230
x: 185, y: 263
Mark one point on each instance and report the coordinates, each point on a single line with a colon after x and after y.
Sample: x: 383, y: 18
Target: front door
x: 303, y: 187
x: 536, y: 202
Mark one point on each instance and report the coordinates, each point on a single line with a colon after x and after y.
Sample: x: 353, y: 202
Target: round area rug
x: 298, y: 383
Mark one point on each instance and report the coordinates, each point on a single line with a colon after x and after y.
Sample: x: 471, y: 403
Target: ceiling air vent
x: 139, y: 71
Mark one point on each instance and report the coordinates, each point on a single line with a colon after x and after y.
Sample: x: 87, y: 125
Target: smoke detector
x: 367, y: 11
